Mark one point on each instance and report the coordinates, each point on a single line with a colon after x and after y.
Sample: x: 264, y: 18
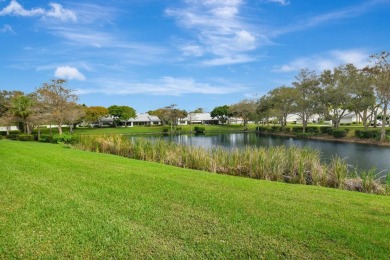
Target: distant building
x: 140, y: 119
x: 199, y: 118
x: 10, y: 128
x: 144, y: 119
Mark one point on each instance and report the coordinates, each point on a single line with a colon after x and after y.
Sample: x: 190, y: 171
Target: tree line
x: 330, y: 94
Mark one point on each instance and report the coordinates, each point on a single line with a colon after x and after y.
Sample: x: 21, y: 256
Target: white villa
x: 144, y: 119
x: 198, y: 118
x: 140, y: 119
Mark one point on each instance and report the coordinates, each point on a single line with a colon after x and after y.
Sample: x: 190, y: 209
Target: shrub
x: 287, y: 129
x: 329, y: 131
x: 64, y: 138
x: 25, y: 137
x: 367, y: 134
x: 12, y: 136
x: 199, y: 129
x: 339, y: 133
x: 309, y: 129
x: 297, y: 129
x: 45, y: 139
x: 312, y: 129
x: 261, y: 129
x: 324, y: 129
x: 276, y: 128
x: 165, y: 130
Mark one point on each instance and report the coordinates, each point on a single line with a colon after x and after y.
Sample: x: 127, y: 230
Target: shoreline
x: 333, y: 139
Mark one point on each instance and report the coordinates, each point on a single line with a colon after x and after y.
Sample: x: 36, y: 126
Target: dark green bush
x: 339, y: 133
x: 309, y: 129
x: 64, y: 138
x: 165, y: 130
x: 25, y: 137
x: 261, y: 129
x: 324, y: 129
x: 329, y: 131
x: 276, y: 128
x: 12, y: 136
x: 10, y: 132
x: 297, y: 129
x: 199, y: 129
x: 312, y: 129
x: 287, y: 129
x: 367, y: 134
x: 45, y: 139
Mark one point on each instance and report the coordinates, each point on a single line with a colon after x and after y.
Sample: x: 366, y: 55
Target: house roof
x: 199, y: 117
x: 145, y: 117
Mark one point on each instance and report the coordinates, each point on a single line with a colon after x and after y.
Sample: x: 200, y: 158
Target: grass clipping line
x: 283, y: 164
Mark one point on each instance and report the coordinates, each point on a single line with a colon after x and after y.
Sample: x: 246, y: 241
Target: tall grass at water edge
x: 283, y: 164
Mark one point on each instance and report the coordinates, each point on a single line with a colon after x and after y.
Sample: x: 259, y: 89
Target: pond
x: 361, y: 156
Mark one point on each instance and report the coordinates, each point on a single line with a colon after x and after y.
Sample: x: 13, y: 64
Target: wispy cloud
x: 7, y: 28
x: 168, y: 86
x: 56, y: 11
x: 219, y: 34
x: 336, y: 15
x: 68, y: 72
x: 326, y: 61
x: 281, y: 2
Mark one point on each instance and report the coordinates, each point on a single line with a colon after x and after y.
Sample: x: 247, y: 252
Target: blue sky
x: 194, y: 53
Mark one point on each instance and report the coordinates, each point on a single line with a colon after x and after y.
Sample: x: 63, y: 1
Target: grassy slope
x: 64, y: 202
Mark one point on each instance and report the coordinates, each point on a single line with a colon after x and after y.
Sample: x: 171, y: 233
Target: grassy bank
x: 58, y: 202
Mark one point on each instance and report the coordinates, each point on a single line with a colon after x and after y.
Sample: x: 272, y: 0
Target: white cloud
x: 168, y: 86
x: 218, y: 31
x: 56, y: 11
x: 282, y: 2
x: 61, y: 13
x: 14, y: 8
x: 326, y: 61
x: 7, y: 28
x: 68, y: 72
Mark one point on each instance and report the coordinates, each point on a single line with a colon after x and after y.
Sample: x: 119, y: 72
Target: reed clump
x: 283, y: 164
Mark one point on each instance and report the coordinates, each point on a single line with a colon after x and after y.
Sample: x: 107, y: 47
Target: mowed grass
x: 61, y: 202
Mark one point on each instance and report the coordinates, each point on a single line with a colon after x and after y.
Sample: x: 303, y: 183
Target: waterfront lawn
x: 61, y: 202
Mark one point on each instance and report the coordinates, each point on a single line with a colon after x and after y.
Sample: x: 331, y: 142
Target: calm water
x: 356, y: 155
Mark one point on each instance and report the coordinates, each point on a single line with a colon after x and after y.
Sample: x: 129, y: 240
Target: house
x: 296, y: 119
x: 140, y: 119
x: 10, y: 128
x: 199, y: 118
x: 349, y: 118
x: 144, y: 119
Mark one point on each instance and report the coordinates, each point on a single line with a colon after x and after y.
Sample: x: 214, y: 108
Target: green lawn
x: 61, y: 202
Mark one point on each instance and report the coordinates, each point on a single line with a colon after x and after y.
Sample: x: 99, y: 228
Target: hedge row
x: 371, y: 133
x: 64, y: 138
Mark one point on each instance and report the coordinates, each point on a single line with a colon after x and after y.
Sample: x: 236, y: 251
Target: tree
x: 246, y: 109
x: 336, y: 95
x: 95, y: 113
x: 58, y: 101
x: 362, y: 95
x: 121, y: 113
x: 308, y: 93
x: 381, y: 74
x: 198, y: 110
x: 264, y: 108
x: 221, y: 112
x: 22, y: 108
x: 6, y: 116
x: 282, y: 101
